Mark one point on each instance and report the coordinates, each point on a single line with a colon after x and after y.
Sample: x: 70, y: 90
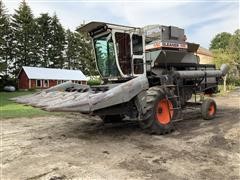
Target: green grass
x: 10, y: 109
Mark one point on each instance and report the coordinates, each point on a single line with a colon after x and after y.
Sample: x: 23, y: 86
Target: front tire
x: 159, y: 111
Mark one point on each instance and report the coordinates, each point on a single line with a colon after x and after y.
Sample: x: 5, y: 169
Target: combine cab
x: 149, y: 74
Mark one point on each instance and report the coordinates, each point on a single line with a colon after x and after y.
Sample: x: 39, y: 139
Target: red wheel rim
x: 211, y: 109
x: 164, y: 111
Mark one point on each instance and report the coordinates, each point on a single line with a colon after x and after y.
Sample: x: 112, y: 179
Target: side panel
x: 120, y: 94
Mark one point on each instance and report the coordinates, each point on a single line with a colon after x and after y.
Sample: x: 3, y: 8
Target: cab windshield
x: 105, y: 56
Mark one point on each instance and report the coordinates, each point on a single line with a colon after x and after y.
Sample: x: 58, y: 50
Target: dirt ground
x: 79, y: 147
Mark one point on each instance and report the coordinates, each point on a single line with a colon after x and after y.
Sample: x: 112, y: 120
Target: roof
x: 96, y: 25
x: 54, y: 74
x: 204, y: 51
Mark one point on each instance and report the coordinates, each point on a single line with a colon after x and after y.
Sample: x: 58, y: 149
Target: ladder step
x: 175, y: 108
x: 178, y: 102
x: 171, y: 97
x: 170, y: 85
x: 175, y: 120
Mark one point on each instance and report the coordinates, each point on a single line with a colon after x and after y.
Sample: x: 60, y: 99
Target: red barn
x: 41, y: 78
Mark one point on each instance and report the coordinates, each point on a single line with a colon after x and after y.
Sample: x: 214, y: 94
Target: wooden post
x: 225, y: 83
x: 29, y: 84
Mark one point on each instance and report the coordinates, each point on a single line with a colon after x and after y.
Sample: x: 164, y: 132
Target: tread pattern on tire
x: 149, y: 123
x: 205, y: 107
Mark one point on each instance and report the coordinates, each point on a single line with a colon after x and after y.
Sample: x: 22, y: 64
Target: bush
x: 233, y: 81
x: 93, y: 82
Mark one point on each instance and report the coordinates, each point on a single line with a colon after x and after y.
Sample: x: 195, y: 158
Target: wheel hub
x: 164, y: 111
x: 211, y: 109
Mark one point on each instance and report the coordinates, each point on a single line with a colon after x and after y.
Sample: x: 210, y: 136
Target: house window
x: 38, y: 83
x: 59, y: 82
x: 45, y: 83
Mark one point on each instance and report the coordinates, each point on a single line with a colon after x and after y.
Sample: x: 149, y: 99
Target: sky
x: 201, y: 19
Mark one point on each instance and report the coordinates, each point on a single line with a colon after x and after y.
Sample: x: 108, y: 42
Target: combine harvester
x: 149, y: 74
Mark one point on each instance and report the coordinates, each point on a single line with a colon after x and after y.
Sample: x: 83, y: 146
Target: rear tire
x: 158, y: 117
x: 209, y: 109
x: 111, y: 118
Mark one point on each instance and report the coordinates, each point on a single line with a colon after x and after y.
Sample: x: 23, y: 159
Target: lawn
x: 10, y: 109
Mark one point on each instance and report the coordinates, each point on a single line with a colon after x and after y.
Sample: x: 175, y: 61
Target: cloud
x: 224, y: 19
x: 202, y: 20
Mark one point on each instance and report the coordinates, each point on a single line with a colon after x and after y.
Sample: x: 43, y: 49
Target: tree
x: 25, y: 39
x: 222, y: 57
x: 220, y: 41
x: 79, y: 53
x: 44, y: 36
x: 87, y: 53
x: 57, y: 43
x: 72, y: 50
x: 6, y: 56
x: 234, y: 49
x: 87, y: 57
x: 226, y: 48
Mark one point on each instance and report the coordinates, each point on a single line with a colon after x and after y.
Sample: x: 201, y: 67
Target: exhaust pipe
x: 200, y: 74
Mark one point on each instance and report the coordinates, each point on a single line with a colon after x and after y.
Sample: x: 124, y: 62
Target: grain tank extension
x: 150, y: 74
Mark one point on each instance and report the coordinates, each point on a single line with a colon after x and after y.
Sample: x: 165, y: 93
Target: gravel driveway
x: 81, y: 147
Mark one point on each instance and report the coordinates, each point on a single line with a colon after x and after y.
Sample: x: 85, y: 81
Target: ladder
x: 178, y: 106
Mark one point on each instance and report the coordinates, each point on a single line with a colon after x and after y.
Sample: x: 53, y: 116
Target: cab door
x: 138, y: 54
x: 130, y: 53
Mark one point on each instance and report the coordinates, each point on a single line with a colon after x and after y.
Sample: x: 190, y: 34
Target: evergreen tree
x: 44, y: 38
x: 72, y: 50
x: 6, y: 56
x: 57, y: 42
x: 79, y: 54
x: 87, y: 55
x: 25, y: 38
